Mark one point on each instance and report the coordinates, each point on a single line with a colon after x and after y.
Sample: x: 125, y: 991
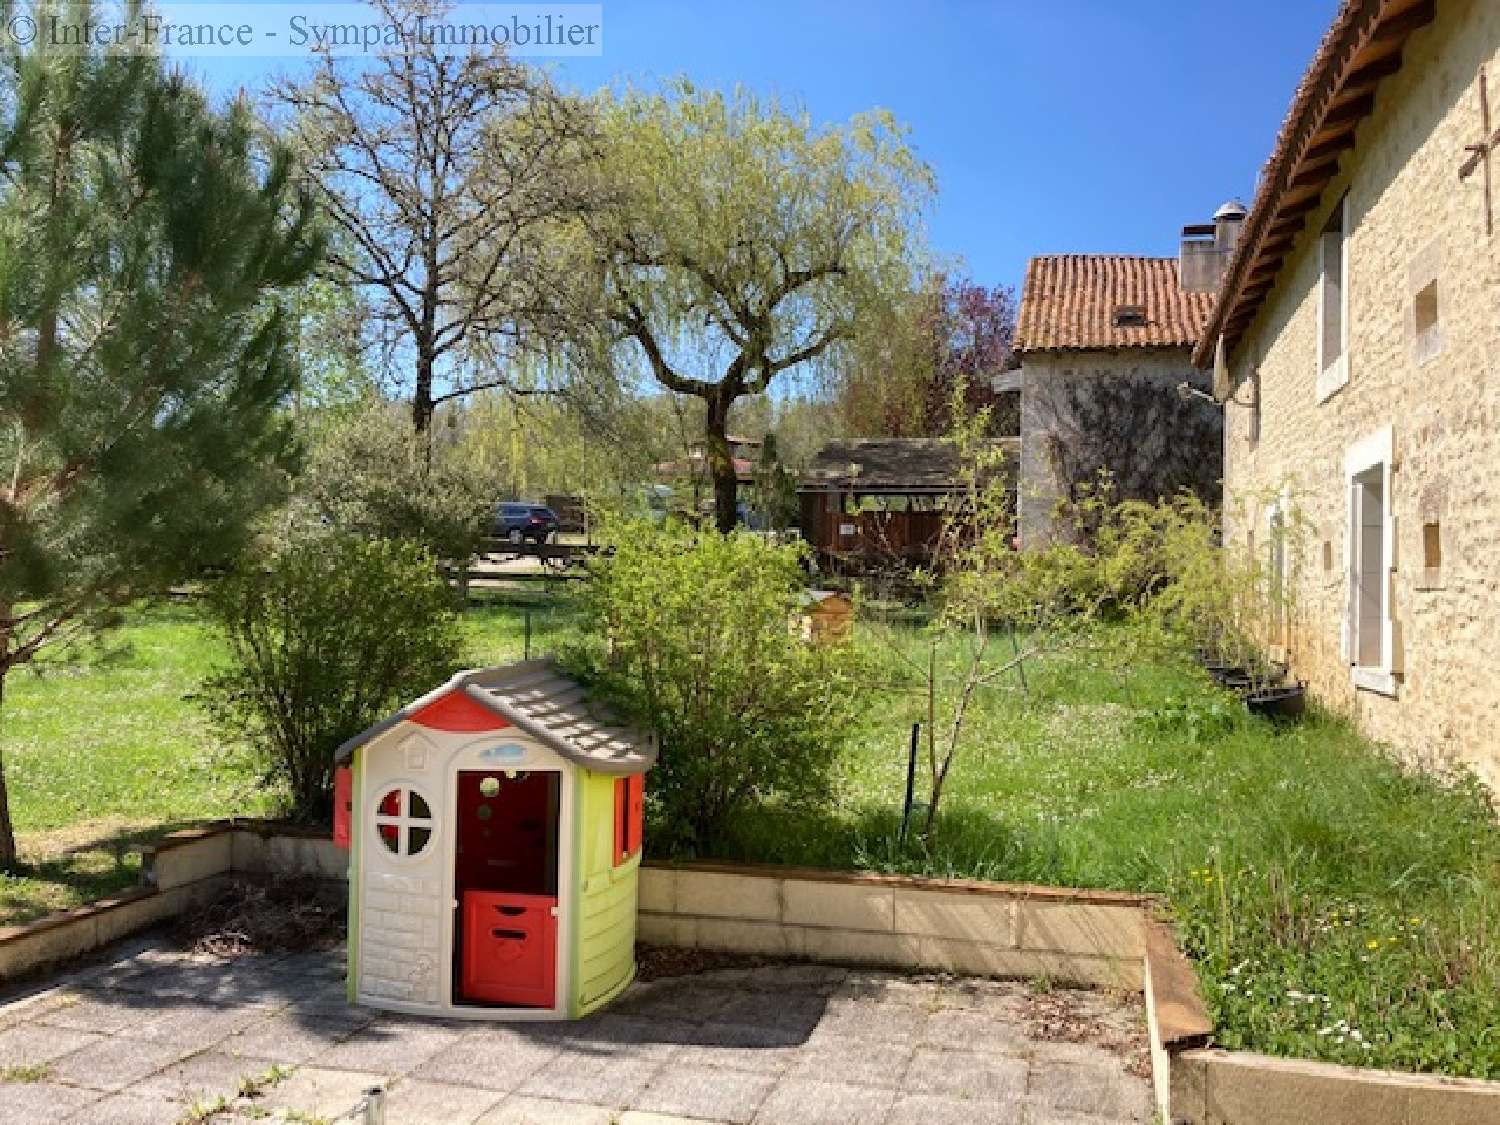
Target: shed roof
x: 1071, y: 302
x: 890, y: 465
x: 537, y: 699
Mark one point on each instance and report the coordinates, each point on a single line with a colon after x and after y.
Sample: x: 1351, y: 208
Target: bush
x: 690, y: 633
x: 332, y: 635
x: 370, y: 475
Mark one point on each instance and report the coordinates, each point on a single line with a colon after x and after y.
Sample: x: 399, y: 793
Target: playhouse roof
x: 537, y: 699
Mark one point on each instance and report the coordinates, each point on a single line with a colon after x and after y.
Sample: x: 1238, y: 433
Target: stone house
x: 1104, y: 342
x: 1356, y: 339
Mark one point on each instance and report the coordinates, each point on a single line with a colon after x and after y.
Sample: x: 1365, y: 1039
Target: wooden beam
x: 1351, y: 110
x: 1404, y: 23
x: 1315, y: 176
x: 1372, y: 72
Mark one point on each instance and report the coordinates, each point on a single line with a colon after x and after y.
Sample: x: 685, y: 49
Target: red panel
x: 510, y: 949
x: 343, y: 804
x: 457, y: 712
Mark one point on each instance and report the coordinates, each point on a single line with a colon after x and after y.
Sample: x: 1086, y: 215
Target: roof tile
x: 1069, y: 302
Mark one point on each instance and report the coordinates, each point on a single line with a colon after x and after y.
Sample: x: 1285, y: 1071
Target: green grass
x: 106, y: 750
x: 1322, y: 889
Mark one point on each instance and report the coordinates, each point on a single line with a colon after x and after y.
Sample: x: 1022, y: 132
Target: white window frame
x: 1376, y: 451
x: 403, y: 822
x: 1334, y: 376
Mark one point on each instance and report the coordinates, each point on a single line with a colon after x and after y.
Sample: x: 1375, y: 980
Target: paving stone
x: 1001, y: 998
x: 939, y: 1109
x: 546, y: 1111
x: 116, y: 1063
x: 975, y: 1031
x: 129, y: 1109
x: 610, y: 1082
x: 389, y: 1047
x: 29, y: 1044
x: 759, y: 1050
x: 37, y: 1102
x: 196, y: 1025
x: 317, y: 1092
x: 102, y: 1013
x: 412, y: 1102
x: 286, y: 1039
x: 490, y: 1058
x: 853, y: 1062
x: 875, y: 1021
x: 807, y: 979
x: 198, y: 1078
x: 676, y: 999
x: 891, y: 988
x: 961, y: 1074
x: 706, y: 1092
x: 824, y: 1103
x: 793, y: 1012
x: 1101, y: 1089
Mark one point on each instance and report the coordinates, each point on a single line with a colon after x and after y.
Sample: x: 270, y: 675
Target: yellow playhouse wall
x: 604, y: 948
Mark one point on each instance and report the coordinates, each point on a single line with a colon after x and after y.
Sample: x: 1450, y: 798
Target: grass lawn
x: 1338, y: 906
x: 105, y: 750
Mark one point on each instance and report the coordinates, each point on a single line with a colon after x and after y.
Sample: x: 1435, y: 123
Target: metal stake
x: 911, y: 779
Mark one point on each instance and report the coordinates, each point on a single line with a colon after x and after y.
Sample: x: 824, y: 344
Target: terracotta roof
x: 1070, y: 301
x: 890, y: 465
x: 1362, y: 47
x: 534, y: 697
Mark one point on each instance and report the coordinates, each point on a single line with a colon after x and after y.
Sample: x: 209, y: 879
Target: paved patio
x: 158, y: 1036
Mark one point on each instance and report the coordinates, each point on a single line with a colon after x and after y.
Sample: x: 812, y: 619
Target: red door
x: 510, y: 948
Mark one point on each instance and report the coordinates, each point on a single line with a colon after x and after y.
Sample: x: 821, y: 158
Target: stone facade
x: 1168, y: 442
x: 1432, y: 392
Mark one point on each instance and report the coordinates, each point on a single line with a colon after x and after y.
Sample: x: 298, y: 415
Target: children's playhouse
x: 494, y: 829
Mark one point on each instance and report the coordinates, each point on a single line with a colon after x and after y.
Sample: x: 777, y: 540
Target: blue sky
x: 1053, y: 125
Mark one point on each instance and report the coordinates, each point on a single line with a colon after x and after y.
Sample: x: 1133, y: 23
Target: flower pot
x: 1222, y: 672
x: 1279, y: 704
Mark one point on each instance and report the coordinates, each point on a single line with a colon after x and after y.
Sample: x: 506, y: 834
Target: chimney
x: 1206, y: 248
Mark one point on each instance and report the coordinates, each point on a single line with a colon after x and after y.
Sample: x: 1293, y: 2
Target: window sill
x: 1333, y: 378
x: 1374, y: 680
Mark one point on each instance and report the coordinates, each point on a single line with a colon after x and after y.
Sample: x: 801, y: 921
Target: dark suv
x: 520, y: 522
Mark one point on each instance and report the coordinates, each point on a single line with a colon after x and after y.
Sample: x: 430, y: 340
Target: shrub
x: 332, y: 635
x: 690, y: 633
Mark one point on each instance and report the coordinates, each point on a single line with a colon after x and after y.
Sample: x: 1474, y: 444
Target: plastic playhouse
x: 494, y: 830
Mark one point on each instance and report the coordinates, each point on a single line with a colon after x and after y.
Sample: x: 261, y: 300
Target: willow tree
x: 743, y: 244
x: 145, y: 242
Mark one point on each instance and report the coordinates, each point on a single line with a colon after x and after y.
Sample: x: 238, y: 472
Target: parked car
x: 521, y: 522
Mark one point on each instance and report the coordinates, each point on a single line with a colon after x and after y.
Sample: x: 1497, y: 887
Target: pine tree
x: 145, y: 239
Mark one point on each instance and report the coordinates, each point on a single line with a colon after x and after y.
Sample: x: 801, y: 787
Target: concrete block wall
x: 1074, y: 937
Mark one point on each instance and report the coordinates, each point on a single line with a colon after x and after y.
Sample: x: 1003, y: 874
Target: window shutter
x: 622, y: 817
x: 343, y: 805
x: 637, y: 808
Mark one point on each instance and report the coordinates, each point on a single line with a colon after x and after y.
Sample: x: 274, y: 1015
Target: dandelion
x: 1373, y: 943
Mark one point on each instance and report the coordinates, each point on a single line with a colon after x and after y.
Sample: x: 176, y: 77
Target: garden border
x: 946, y: 925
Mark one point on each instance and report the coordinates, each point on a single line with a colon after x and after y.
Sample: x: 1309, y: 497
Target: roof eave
x: 1362, y: 47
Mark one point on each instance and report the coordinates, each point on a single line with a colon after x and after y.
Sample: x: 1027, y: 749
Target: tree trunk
x: 721, y: 462
x: 7, y: 830
x: 421, y: 399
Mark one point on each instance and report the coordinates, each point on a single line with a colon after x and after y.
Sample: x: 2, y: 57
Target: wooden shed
x: 494, y: 829
x: 876, y: 501
x: 826, y: 616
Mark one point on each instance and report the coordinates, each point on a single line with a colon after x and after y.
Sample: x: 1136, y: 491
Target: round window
x: 403, y: 821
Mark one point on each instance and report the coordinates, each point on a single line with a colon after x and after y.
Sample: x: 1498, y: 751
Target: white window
x: 1333, y: 302
x: 403, y: 821
x: 1371, y: 639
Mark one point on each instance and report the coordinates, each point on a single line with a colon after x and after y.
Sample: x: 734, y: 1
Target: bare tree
x: 441, y: 172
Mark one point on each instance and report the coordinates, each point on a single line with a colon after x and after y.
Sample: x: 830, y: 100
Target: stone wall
x: 1410, y: 221
x: 986, y: 929
x: 1119, y: 408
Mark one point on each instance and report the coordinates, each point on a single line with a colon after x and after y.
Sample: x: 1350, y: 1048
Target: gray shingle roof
x: 893, y: 464
x: 537, y: 699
